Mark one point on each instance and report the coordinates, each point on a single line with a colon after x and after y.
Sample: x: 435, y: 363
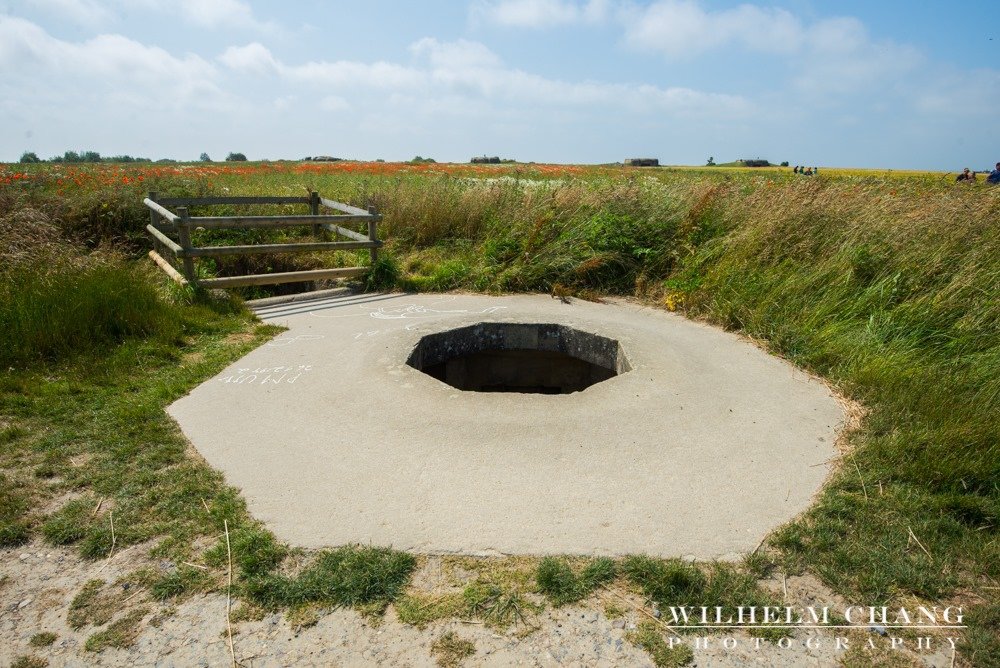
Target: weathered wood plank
x: 233, y: 222
x: 160, y: 209
x: 259, y: 249
x: 346, y: 208
x: 206, y: 201
x: 343, y: 231
x: 167, y: 268
x: 165, y: 240
x: 284, y: 277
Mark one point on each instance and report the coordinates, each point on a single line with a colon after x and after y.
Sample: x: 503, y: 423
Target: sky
x: 887, y: 84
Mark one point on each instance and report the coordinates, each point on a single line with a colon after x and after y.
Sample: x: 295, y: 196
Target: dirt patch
x: 43, y: 581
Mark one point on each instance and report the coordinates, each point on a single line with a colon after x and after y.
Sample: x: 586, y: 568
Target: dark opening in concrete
x: 517, y: 357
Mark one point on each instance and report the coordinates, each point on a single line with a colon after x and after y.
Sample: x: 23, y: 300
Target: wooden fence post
x: 373, y: 232
x: 184, y: 232
x: 153, y: 220
x: 314, y: 210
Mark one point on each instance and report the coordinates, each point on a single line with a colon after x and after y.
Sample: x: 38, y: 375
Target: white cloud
x: 220, y: 13
x: 254, y: 58
x: 466, y: 73
x: 681, y: 28
x: 110, y: 63
x: 539, y: 13
x: 89, y: 13
x: 461, y: 54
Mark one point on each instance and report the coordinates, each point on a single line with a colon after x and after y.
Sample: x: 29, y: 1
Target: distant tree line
x: 29, y: 157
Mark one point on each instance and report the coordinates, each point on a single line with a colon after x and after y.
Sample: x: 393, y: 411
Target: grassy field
x: 888, y: 285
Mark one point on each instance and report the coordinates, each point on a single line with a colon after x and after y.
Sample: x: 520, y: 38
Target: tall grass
x: 57, y: 301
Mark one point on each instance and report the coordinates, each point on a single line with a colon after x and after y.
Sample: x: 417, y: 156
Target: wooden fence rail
x: 163, y: 221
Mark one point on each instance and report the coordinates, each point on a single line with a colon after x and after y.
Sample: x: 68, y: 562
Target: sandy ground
x: 41, y: 581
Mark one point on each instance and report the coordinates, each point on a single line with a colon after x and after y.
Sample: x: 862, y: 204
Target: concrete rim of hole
x: 705, y: 445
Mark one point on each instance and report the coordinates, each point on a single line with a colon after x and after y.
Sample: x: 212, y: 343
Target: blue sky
x: 868, y: 84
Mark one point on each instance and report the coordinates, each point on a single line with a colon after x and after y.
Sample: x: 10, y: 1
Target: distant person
x: 809, y: 171
x: 966, y: 175
x: 994, y: 177
x: 796, y: 170
x: 815, y: 171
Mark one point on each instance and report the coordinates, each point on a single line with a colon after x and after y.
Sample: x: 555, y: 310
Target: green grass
x: 889, y: 287
x: 120, y: 634
x: 15, y: 506
x: 561, y: 585
x: 76, y: 309
x: 649, y: 637
x: 367, y: 578
x: 94, y: 605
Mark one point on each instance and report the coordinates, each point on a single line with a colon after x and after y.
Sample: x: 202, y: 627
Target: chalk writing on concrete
x: 276, y: 375
x: 416, y: 311
x: 290, y: 340
x: 406, y: 312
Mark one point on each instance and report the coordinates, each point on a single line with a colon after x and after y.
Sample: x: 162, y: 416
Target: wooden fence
x: 163, y: 222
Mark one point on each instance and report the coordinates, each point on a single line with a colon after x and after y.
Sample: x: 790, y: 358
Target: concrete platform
x: 706, y: 445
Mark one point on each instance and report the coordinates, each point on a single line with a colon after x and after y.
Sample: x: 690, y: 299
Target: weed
x: 496, y: 606
x: 450, y: 650
x: 305, y: 615
x: 43, y: 639
x: 27, y: 661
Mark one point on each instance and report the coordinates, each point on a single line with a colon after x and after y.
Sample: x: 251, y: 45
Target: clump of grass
x: 672, y: 583
x: 649, y: 637
x: 71, y: 522
x: 119, y: 635
x: 352, y: 576
x: 15, y: 505
x: 180, y: 583
x: 666, y: 581
x: 93, y: 606
x: 43, y: 639
x: 254, y: 550
x: 561, y: 585
x: 496, y: 606
x: 981, y: 642
x: 27, y: 661
x: 420, y: 610
x: 450, y: 650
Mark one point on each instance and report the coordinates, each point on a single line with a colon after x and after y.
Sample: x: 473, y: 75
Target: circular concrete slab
x: 702, y: 448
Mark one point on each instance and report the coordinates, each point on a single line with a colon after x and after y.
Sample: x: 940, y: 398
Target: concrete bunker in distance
x: 519, y: 357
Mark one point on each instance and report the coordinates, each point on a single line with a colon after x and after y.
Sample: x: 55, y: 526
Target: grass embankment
x: 889, y: 287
